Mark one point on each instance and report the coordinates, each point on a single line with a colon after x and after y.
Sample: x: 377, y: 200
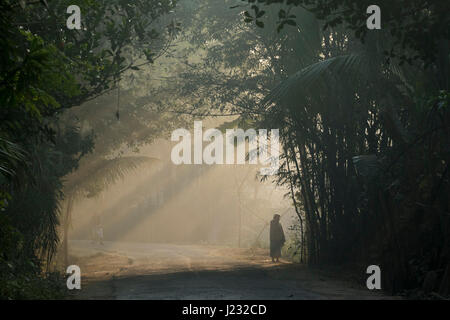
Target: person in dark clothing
x: 276, y: 238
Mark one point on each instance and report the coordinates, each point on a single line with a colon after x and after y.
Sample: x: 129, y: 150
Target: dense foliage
x: 417, y: 27
x: 45, y: 69
x: 366, y: 141
x: 365, y: 138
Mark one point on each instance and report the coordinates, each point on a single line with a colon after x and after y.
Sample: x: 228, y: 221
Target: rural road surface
x: 125, y: 270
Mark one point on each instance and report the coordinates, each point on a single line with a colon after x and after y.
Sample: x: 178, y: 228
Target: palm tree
x: 93, y: 179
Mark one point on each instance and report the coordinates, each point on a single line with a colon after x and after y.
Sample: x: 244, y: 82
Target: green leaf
x: 291, y: 22
x: 260, y: 24
x: 260, y: 14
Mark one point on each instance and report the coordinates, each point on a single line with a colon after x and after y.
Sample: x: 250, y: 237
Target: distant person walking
x: 277, y: 239
x: 100, y: 233
x: 97, y: 230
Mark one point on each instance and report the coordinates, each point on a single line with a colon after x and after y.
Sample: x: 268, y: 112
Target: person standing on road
x: 277, y: 238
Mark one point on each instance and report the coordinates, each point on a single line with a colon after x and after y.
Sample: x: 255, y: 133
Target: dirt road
x: 121, y: 270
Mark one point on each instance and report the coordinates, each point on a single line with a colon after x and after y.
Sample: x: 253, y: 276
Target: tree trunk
x: 66, y: 226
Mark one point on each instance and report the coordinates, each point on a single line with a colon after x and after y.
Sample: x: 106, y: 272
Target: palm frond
x: 99, y: 175
x: 316, y: 75
x: 11, y: 155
